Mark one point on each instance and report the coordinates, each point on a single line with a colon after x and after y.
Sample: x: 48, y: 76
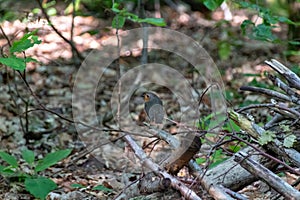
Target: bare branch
x: 268, y: 92
x: 260, y: 171
x: 291, y: 77
x: 147, y: 162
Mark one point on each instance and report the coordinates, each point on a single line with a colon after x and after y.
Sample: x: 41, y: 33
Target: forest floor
x: 53, y: 77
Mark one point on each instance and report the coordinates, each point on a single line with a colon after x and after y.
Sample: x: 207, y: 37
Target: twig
x: 235, y: 195
x: 72, y: 31
x: 144, y: 58
x: 57, y: 32
x: 167, y: 137
x: 268, y: 92
x: 280, y: 108
x: 26, y: 129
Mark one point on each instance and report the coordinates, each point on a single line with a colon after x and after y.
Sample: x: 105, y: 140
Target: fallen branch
x: 269, y: 177
x: 147, y: 162
x: 291, y: 77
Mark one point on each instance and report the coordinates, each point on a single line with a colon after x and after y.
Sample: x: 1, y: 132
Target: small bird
x: 153, y: 107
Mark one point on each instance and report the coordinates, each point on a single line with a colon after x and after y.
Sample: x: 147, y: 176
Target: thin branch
x: 73, y: 47
x: 268, y: 92
x: 278, y: 107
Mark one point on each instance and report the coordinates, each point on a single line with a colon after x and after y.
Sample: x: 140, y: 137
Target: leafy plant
x: 26, y: 42
x: 123, y: 14
x: 216, y: 158
x: 289, y: 141
x: 266, y: 137
x: 290, y: 138
x: 262, y: 31
x: 38, y: 186
x: 49, y: 8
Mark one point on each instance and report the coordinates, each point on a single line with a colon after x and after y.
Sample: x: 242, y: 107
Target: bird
x: 153, y: 107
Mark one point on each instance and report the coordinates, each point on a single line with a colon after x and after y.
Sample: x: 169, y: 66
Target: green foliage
x: 28, y: 156
x: 260, y: 84
x: 77, y: 185
x: 266, y: 137
x: 98, y: 187
x: 9, y: 159
x: 217, y: 158
x: 38, y: 186
x: 27, y: 41
x: 51, y: 159
x: 289, y: 141
x: 49, y: 7
x: 224, y: 50
x: 290, y: 138
x: 123, y: 14
x: 296, y: 68
x: 102, y: 188
x: 230, y: 126
x: 211, y: 121
x: 212, y: 4
x: 200, y: 160
x: 234, y: 148
x: 262, y: 31
x: 21, y: 45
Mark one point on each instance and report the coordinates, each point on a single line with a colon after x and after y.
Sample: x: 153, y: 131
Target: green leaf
x: 27, y: 41
x: 200, y: 160
x: 263, y: 32
x: 30, y: 59
x: 51, y: 12
x: 285, y: 20
x: 234, y: 148
x: 76, y: 185
x: 245, y: 25
x: 102, y: 188
x: 39, y: 187
x: 115, y: 8
x: 230, y: 126
x: 289, y: 141
x: 51, y: 159
x: 154, y: 21
x: 28, y: 156
x: 118, y: 21
x: 9, y: 159
x: 14, y: 63
x: 212, y: 4
x: 7, y: 171
x: 224, y: 50
x: 294, y: 42
x: 218, y: 157
x: 266, y: 137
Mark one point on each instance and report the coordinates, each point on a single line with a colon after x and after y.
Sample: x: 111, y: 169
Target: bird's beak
x: 146, y: 97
